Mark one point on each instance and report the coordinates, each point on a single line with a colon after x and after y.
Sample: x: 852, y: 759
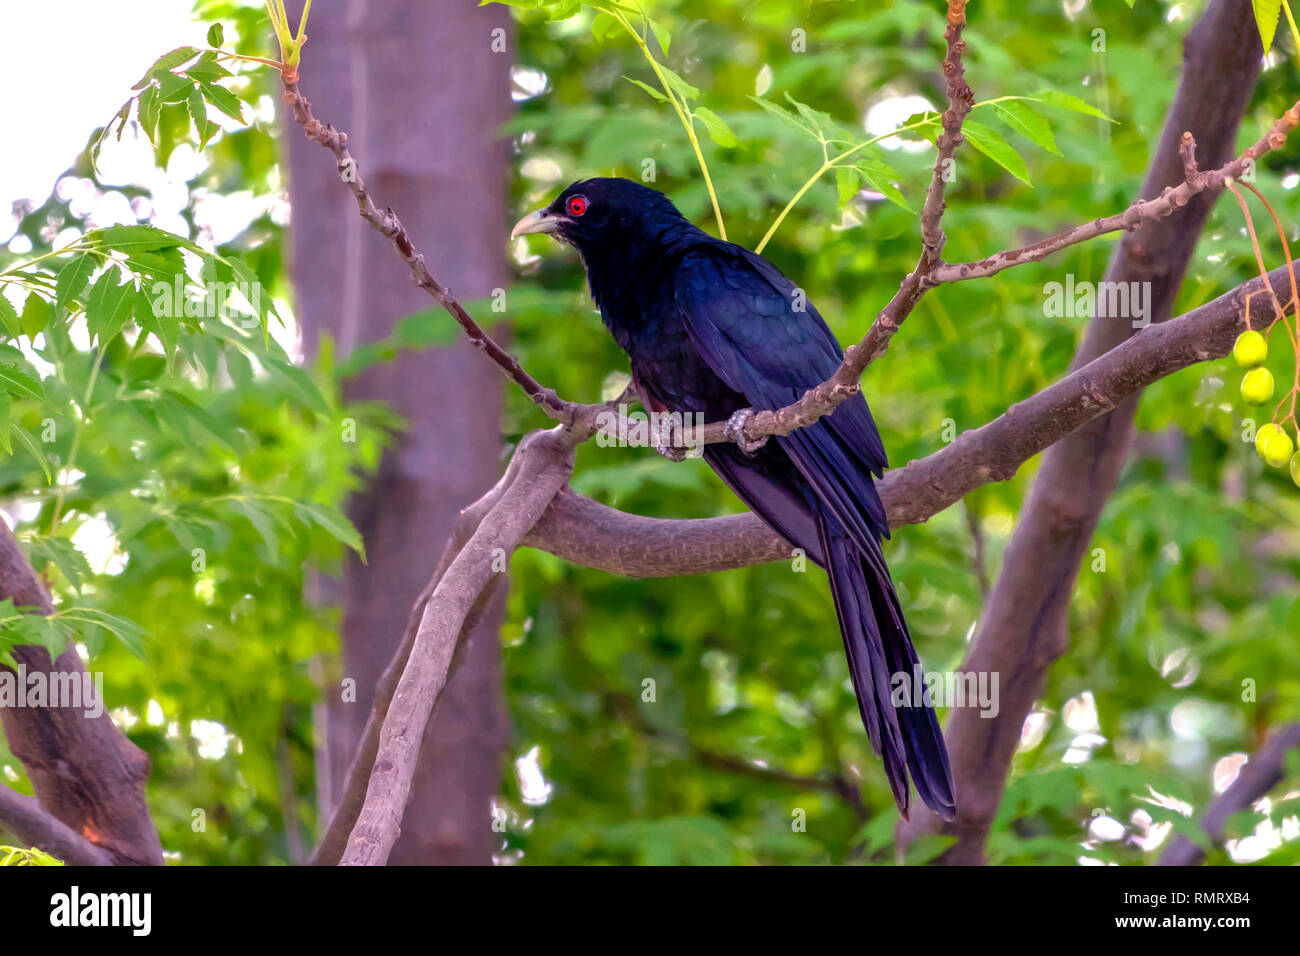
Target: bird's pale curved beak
x: 540, y: 221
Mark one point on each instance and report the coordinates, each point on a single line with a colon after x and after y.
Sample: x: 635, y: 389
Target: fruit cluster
x: 1272, y: 442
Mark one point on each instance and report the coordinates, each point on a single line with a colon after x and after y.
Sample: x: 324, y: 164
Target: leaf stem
x: 76, y: 435
x: 1295, y: 34
x: 827, y: 165
x: 683, y: 112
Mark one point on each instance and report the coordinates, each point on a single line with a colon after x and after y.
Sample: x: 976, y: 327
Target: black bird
x: 711, y: 327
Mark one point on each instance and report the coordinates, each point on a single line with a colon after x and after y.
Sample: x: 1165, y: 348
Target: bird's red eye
x: 577, y: 205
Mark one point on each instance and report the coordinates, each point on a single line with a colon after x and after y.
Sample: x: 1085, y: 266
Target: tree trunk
x: 422, y: 94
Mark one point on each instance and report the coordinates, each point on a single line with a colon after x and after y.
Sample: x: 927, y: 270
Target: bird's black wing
x: 758, y: 334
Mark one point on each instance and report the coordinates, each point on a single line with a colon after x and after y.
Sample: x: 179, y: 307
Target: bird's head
x: 604, y: 214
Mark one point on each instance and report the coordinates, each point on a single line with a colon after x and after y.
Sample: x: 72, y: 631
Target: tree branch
x: 586, y: 532
x: 35, y: 826
x: 960, y: 101
x: 547, y: 463
x: 1261, y: 773
x: 334, y: 840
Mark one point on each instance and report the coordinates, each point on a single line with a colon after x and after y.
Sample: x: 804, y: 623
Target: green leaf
x: 36, y: 315
x: 160, y: 265
x: 129, y: 634
x: 216, y: 35
x: 719, y: 131
x: 661, y: 33
x: 300, y: 384
x: 262, y: 300
x: 224, y: 100
x: 679, y: 86
x: 785, y: 116
x: 878, y: 176
x: 6, y: 434
x: 1025, y: 121
x: 818, y: 120
x: 72, y: 280
x: 262, y: 520
x: 207, y: 70
x: 1267, y: 13
x: 63, y: 554
x: 108, y: 306
x: 166, y: 328
x: 36, y: 451
x: 198, y: 108
x: 649, y: 89
x: 181, y: 407
x: 173, y: 88
x: 140, y: 238
x: 145, y: 368
x: 166, y: 62
x: 18, y: 383
x: 560, y: 9
x: 603, y: 26
x: 16, y: 856
x: 930, y: 129
x: 333, y: 521
x: 846, y: 182
x: 150, y: 110
x: 992, y: 145
x: 1068, y: 101
x: 9, y: 317
x: 119, y: 120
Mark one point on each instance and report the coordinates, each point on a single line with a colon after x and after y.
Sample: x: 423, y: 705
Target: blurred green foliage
x: 707, y: 719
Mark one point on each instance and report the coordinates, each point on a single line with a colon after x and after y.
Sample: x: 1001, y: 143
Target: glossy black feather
x: 710, y: 327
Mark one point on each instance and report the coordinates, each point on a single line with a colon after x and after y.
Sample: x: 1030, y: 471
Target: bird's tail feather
x: 878, y: 645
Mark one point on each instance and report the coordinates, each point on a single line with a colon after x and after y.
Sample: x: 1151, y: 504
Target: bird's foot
x: 661, y: 434
x: 735, y: 432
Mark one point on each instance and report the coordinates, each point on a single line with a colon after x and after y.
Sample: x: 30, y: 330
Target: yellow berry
x: 1251, y: 349
x: 1265, y: 433
x: 1257, y: 386
x: 1295, y: 468
x: 1278, y: 449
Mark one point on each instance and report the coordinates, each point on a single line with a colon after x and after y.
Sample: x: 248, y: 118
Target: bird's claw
x: 735, y: 432
x: 663, y: 442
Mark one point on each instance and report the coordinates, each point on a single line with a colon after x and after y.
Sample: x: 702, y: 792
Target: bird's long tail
x: 902, y: 728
